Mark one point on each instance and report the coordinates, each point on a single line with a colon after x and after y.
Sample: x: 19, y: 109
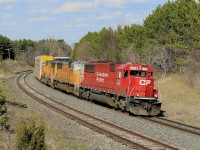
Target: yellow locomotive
x: 39, y: 63
x: 60, y: 73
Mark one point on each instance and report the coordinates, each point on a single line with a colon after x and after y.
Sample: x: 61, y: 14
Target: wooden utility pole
x: 8, y: 52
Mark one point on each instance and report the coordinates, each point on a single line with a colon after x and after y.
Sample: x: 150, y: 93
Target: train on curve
x: 125, y: 86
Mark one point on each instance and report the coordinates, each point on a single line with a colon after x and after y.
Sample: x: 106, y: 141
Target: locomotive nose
x: 143, y: 87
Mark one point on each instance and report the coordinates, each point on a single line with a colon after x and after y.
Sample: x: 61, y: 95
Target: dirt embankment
x: 180, y: 100
x: 9, y: 67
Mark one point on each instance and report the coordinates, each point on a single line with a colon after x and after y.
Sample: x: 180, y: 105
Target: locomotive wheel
x: 122, y: 105
x: 83, y: 95
x: 123, y: 109
x: 80, y: 93
x: 90, y: 98
x: 116, y: 106
x: 87, y: 95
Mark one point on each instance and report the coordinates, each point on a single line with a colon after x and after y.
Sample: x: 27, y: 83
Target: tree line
x: 168, y: 39
x: 26, y: 50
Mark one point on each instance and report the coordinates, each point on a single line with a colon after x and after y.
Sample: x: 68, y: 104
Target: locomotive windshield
x: 137, y: 73
x: 78, y: 66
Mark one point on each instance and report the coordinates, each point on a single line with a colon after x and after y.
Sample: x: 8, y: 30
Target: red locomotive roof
x: 98, y: 62
x: 123, y: 66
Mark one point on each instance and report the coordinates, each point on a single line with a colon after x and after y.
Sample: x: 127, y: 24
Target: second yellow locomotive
x: 61, y: 73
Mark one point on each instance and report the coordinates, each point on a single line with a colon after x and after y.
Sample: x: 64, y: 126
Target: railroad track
x: 175, y: 125
x: 180, y: 123
x: 117, y: 133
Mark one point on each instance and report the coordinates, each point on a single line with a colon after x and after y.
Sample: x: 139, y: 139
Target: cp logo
x: 144, y: 82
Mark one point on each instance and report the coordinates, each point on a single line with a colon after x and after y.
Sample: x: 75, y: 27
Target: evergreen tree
x: 175, y: 26
x: 6, y: 49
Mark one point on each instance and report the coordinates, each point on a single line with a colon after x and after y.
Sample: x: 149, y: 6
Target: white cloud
x: 6, y: 16
x: 7, y: 1
x: 8, y: 7
x: 108, y: 16
x: 7, y: 20
x: 76, y: 6
x: 40, y: 10
x: 40, y: 1
x: 119, y: 3
x: 133, y: 19
x: 39, y: 19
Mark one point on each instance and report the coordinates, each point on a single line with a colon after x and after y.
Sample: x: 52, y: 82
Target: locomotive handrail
x: 129, y: 87
x: 132, y: 90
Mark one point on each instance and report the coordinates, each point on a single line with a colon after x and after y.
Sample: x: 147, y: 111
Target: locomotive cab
x: 136, y: 82
x: 137, y: 79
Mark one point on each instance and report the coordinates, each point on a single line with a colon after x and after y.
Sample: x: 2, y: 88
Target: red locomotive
x: 129, y: 87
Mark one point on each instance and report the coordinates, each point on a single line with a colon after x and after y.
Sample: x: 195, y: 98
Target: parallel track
x: 174, y: 125
x: 87, y: 122
x: 180, y: 123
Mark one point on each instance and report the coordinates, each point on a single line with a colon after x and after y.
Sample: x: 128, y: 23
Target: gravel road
x: 97, y: 141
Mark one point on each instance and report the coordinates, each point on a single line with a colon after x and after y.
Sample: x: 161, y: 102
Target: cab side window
x: 143, y: 74
x: 150, y: 74
x: 125, y: 73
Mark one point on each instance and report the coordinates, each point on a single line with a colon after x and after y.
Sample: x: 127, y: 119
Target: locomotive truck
x: 125, y: 86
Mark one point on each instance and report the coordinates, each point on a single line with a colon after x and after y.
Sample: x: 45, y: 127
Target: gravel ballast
x: 70, y: 130
x: 169, y: 136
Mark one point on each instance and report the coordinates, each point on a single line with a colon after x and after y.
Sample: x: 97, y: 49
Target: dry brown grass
x: 8, y: 67
x: 55, y: 139
x: 179, y: 100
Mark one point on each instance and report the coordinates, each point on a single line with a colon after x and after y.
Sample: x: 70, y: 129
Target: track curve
x: 152, y: 144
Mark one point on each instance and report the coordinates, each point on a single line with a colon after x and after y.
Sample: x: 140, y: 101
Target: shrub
x: 2, y: 98
x: 3, y: 109
x: 18, y: 104
x: 30, y: 136
x: 4, y: 125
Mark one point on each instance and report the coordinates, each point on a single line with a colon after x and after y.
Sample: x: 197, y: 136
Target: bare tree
x: 161, y: 58
x: 84, y: 52
x: 53, y: 47
x: 130, y: 56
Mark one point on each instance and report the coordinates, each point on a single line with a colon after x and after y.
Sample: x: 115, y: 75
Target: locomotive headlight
x: 155, y: 95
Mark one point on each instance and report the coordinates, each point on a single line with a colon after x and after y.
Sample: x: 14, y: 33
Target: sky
x: 69, y: 19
